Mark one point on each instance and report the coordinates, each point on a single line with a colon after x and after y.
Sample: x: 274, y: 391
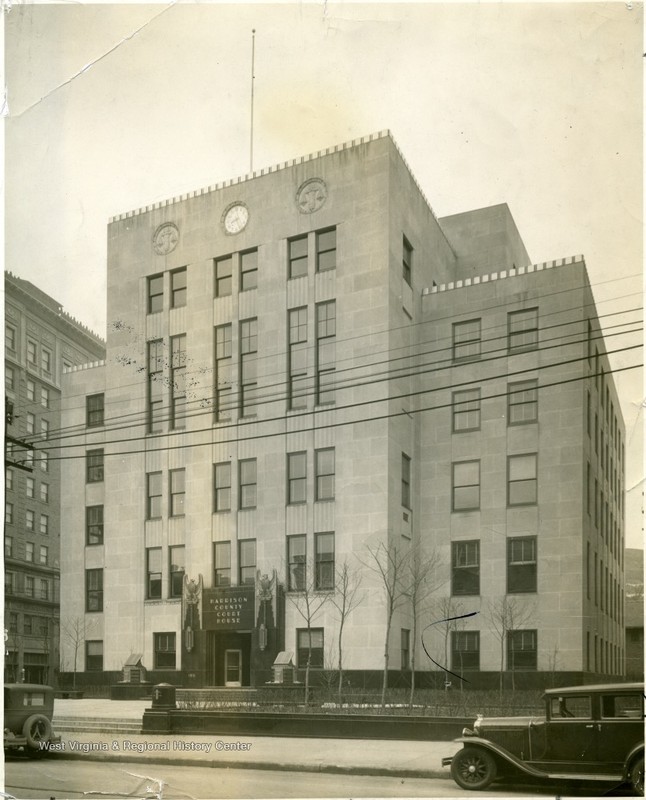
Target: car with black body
x: 28, y: 712
x: 588, y: 733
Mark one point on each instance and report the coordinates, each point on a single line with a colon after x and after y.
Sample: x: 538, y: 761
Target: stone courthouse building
x: 306, y: 369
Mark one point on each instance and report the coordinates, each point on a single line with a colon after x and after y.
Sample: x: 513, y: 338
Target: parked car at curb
x: 588, y: 733
x: 28, y: 712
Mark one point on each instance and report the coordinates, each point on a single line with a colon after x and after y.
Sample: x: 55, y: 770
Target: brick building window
x: 177, y: 492
x: 248, y: 366
x: 178, y: 381
x: 407, y: 261
x: 94, y: 466
x: 155, y: 385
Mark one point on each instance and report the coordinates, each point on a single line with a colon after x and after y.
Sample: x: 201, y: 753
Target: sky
x: 539, y: 105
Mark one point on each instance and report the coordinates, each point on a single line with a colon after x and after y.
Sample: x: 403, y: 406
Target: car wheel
x: 637, y: 776
x: 37, y: 729
x: 473, y: 768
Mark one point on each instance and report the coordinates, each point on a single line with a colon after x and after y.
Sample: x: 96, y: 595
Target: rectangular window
x: 248, y: 270
x: 176, y: 558
x: 466, y: 410
x: 324, y: 463
x: 521, y: 650
x: 296, y: 478
x: 406, y: 481
x: 297, y: 358
x: 222, y: 563
x: 9, y: 378
x: 44, y: 429
x: 8, y: 480
x: 8, y: 547
x: 27, y: 624
x: 465, y: 569
x: 178, y: 381
x: 325, y: 351
x: 466, y: 486
x: 246, y: 562
x: 297, y: 562
x: 248, y: 366
x: 94, y: 410
x: 324, y: 564
x: 297, y: 257
x: 94, y: 466
x: 405, y: 648
x: 154, y: 573
x: 94, y: 525
x: 30, y: 586
x: 326, y: 250
x: 153, y: 495
x: 45, y: 360
x: 223, y: 363
x: 177, y: 492
x: 31, y: 353
x: 31, y: 423
x: 522, y: 484
x: 9, y: 582
x: 522, y: 330
x: 223, y: 276
x: 155, y: 293
x: 164, y: 651
x: 13, y: 622
x: 522, y: 402
x: 94, y: 590
x: 521, y: 565
x: 8, y: 513
x: 94, y: 655
x: 222, y: 486
x: 44, y: 589
x: 44, y: 524
x: 248, y: 484
x: 10, y: 337
x: 466, y: 340
x: 30, y: 518
x: 44, y: 462
x: 309, y: 647
x: 178, y: 288
x: 407, y: 261
x: 43, y: 554
x: 155, y: 385
x: 465, y: 650
x: 29, y: 551
x: 44, y: 493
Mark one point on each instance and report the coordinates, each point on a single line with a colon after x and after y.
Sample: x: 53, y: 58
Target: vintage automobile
x: 28, y: 711
x: 588, y: 733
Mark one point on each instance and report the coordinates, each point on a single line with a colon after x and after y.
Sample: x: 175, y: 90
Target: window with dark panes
x: 93, y: 590
x: 297, y: 367
x: 466, y: 486
x: 465, y: 650
x: 8, y: 513
x: 326, y: 250
x: 43, y: 554
x: 296, y: 478
x: 154, y: 573
x: 248, y: 483
x: 248, y: 366
x: 94, y: 655
x: 466, y: 410
x: 622, y: 706
x: 465, y: 568
x: 30, y: 586
x: 155, y: 386
x: 521, y: 564
x: 223, y: 364
x: 10, y: 337
x: 522, y: 402
x: 178, y: 381
x: 31, y: 353
x: 45, y: 360
x: 407, y: 261
x: 222, y: 563
x: 521, y: 650
x: 223, y: 279
x: 297, y: 562
x: 325, y: 351
x: 30, y: 518
x: 31, y: 423
x: 309, y: 647
x: 31, y: 391
x: 9, y: 379
x: 176, y: 558
x: 248, y: 270
x: 44, y: 589
x: 325, y: 471
x: 177, y: 492
x: 94, y: 466
x: 153, y: 495
x: 29, y: 551
x: 44, y: 397
x: 94, y: 525
x: 324, y: 564
x: 466, y: 340
x: 178, y: 288
x: 155, y: 293
x: 164, y: 651
x: 27, y: 624
x: 94, y: 410
x: 405, y: 481
x: 522, y: 487
x: 222, y: 486
x: 246, y: 562
x: 522, y: 330
x: 297, y: 257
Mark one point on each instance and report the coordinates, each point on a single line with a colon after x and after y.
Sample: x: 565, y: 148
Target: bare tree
x: 505, y: 615
x: 75, y: 632
x: 450, y: 614
x: 345, y: 599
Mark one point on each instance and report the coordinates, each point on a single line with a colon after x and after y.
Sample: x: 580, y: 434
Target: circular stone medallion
x: 165, y: 238
x: 311, y: 196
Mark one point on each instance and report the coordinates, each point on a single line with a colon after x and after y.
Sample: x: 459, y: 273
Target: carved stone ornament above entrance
x: 165, y: 238
x: 311, y: 196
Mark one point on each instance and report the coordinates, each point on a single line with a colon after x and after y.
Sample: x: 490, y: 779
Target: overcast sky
x: 114, y: 107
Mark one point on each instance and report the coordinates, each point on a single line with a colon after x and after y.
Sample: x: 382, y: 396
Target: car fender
x: 638, y: 750
x: 476, y: 741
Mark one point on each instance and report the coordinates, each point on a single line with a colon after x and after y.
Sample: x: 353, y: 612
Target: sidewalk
x: 354, y: 756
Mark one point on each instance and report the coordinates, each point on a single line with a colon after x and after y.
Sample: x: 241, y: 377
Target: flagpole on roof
x: 253, y: 57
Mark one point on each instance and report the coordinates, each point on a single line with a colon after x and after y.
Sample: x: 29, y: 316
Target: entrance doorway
x: 229, y: 659
x: 233, y: 667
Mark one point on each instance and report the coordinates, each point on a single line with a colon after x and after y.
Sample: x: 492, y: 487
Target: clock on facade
x: 235, y: 218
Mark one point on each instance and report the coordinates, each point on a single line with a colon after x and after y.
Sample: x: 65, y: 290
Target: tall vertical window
x: 94, y: 466
x: 153, y: 495
x: 178, y: 288
x: 407, y: 261
x: 405, y: 481
x: 8, y: 482
x: 326, y: 250
x: 309, y: 647
x: 176, y: 559
x: 8, y: 546
x: 30, y: 518
x: 43, y: 554
x: 31, y: 391
x: 522, y: 330
x: 466, y: 410
x: 325, y: 351
x: 223, y: 279
x: 325, y: 472
x: 223, y: 362
x: 94, y: 590
x: 29, y: 551
x: 155, y: 293
x: 298, y: 358
x: 521, y: 564
x: 31, y: 423
x: 31, y: 353
x: 44, y: 524
x: 44, y: 429
x: 164, y: 655
x: 45, y: 360
x: 222, y: 486
x: 44, y: 589
x: 248, y: 270
x: 522, y: 402
x: 155, y: 385
x: 246, y: 562
x: 465, y: 650
x: 8, y: 513
x: 405, y: 648
x: 30, y: 586
x: 94, y: 410
x: 324, y: 563
x: 154, y: 573
x: 94, y: 655
x: 44, y: 462
x: 466, y: 340
x: 466, y: 486
x: 10, y: 337
x: 248, y: 485
x: 522, y: 482
x: 296, y: 478
x: 248, y: 366
x: 521, y: 650
x: 296, y: 562
x: 94, y: 525
x: 222, y: 564
x: 177, y: 492
x: 44, y: 397
x: 9, y: 378
x: 297, y: 257
x: 465, y: 568
x: 178, y: 380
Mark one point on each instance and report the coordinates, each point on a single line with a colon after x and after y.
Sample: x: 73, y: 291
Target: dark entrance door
x: 229, y: 659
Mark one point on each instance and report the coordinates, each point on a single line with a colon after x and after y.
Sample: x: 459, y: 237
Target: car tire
x: 637, y: 776
x: 473, y: 768
x: 37, y: 729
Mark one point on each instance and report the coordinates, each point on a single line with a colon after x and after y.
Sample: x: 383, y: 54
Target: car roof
x: 597, y: 687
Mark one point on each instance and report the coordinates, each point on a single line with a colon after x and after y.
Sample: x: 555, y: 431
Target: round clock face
x: 236, y: 218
